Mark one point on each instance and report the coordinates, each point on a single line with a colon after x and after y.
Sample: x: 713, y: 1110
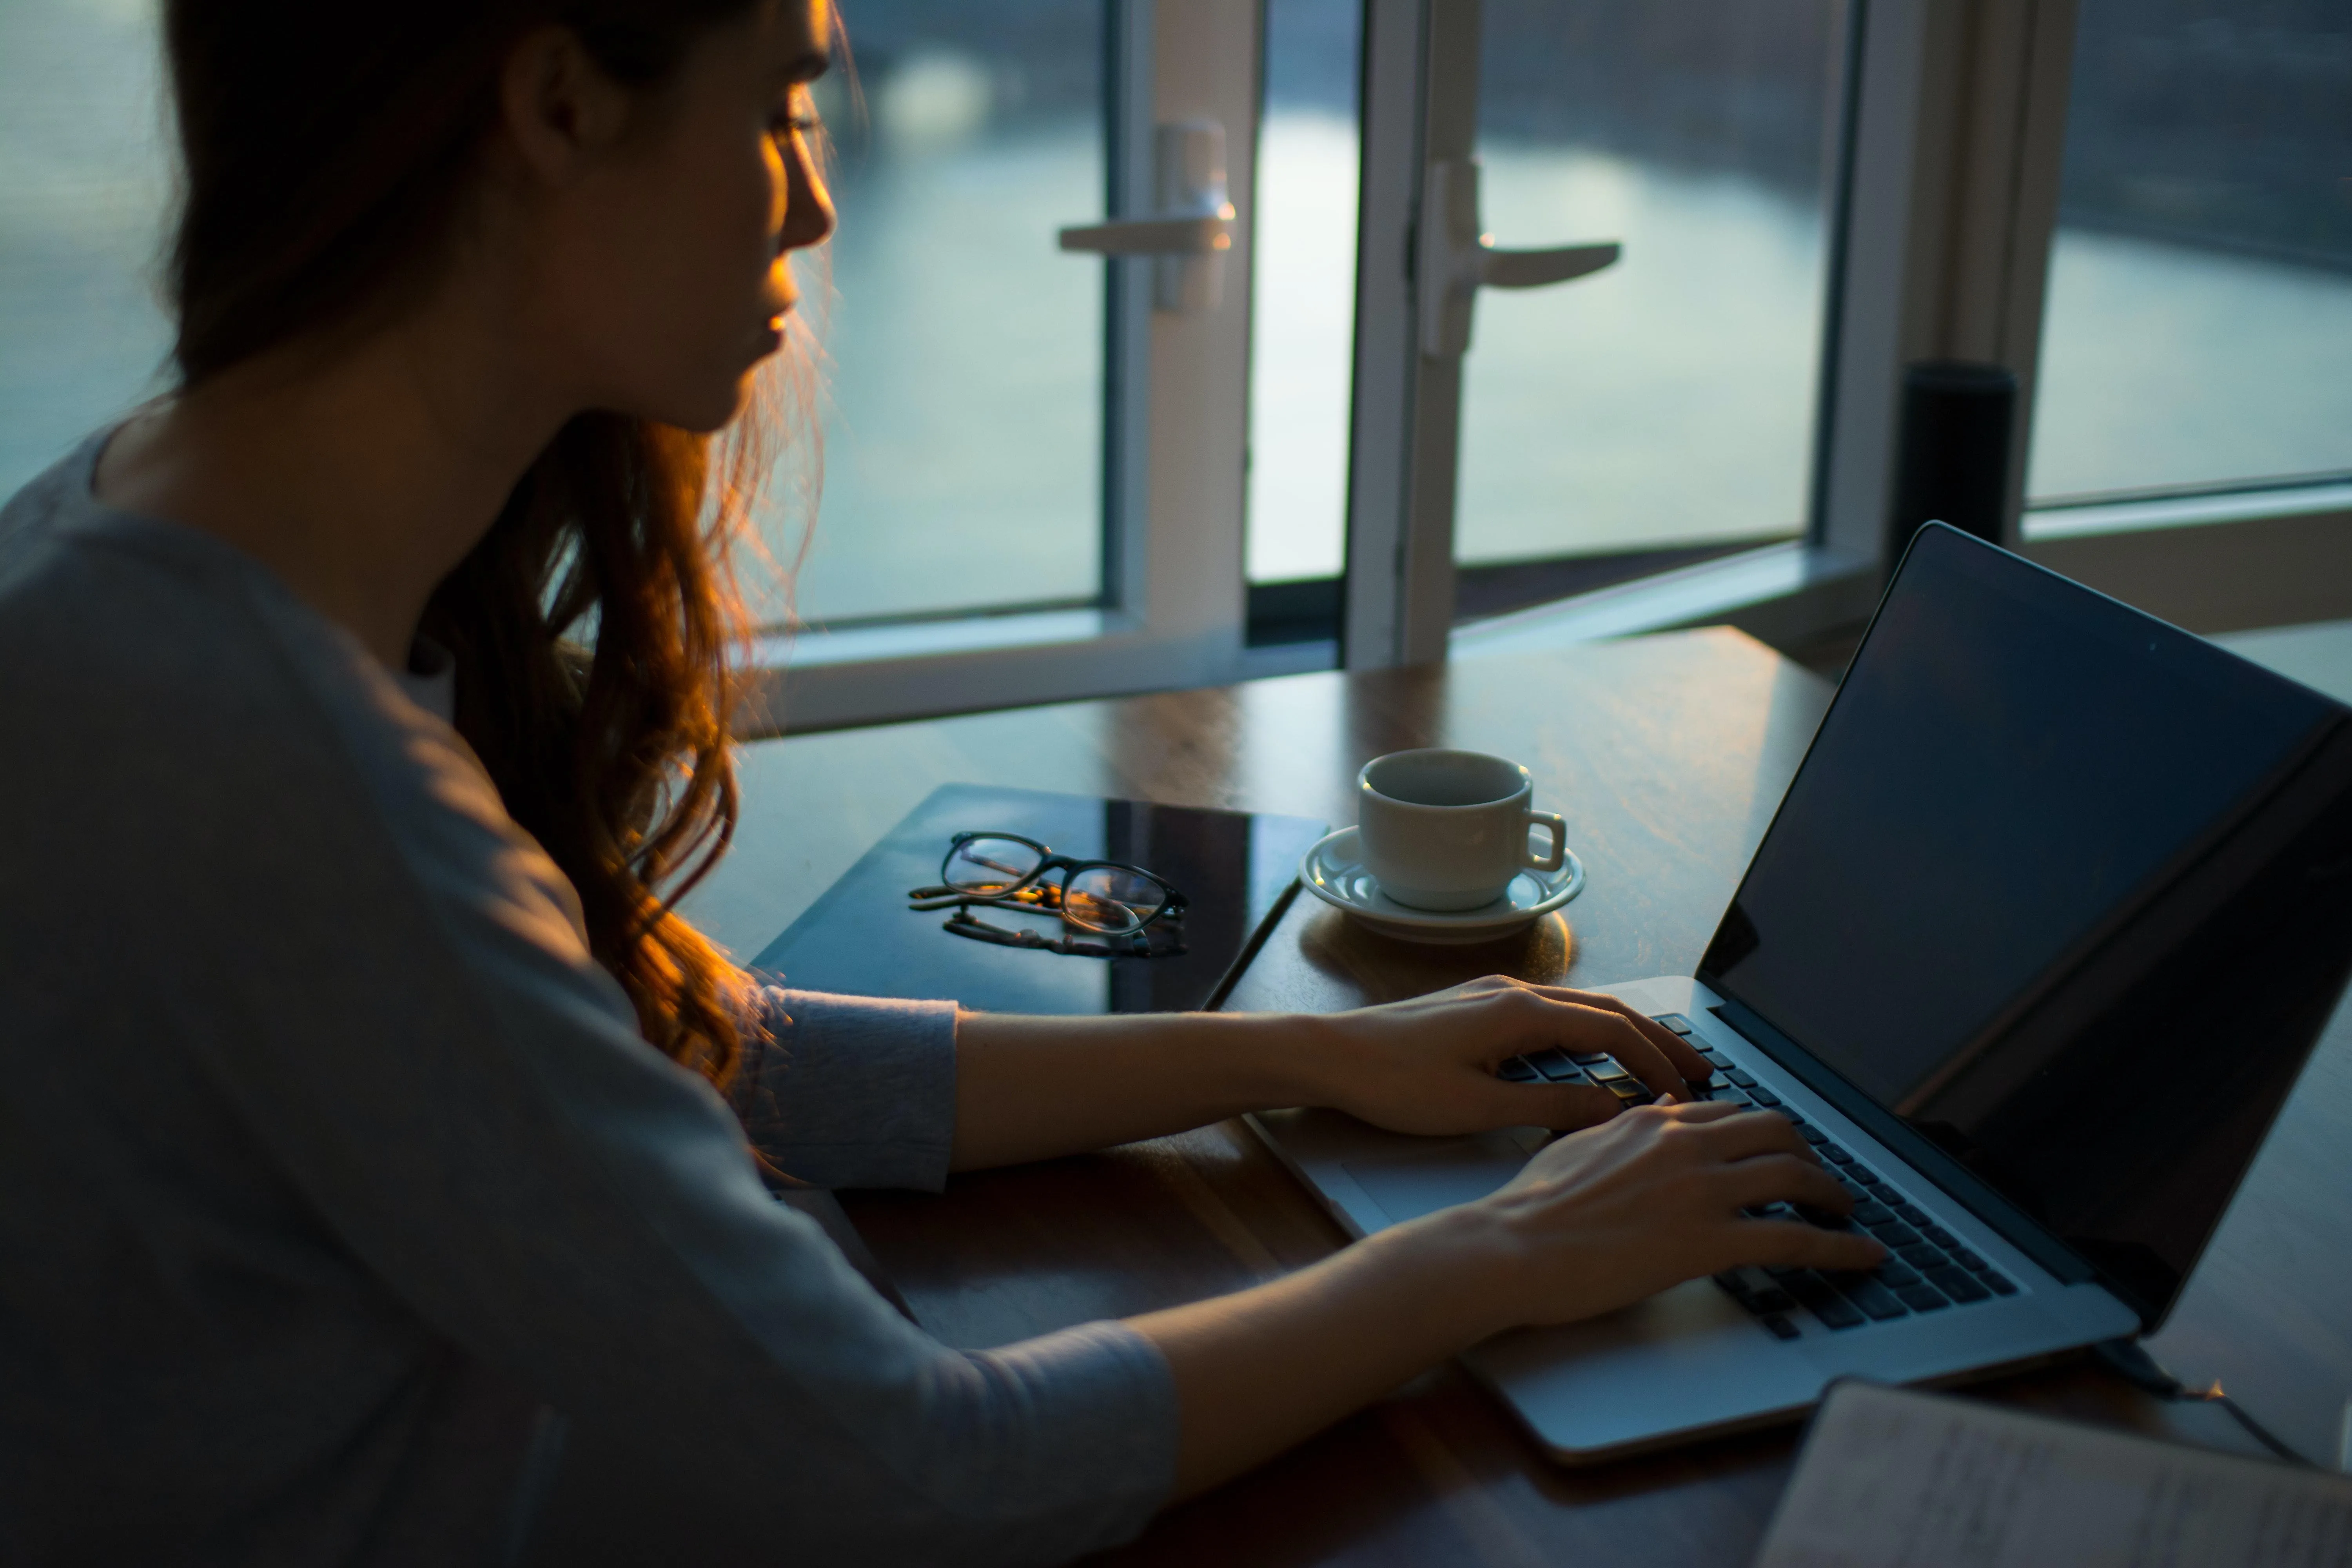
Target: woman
x: 372, y: 1127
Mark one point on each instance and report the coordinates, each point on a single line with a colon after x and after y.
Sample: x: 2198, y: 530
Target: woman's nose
x: 808, y: 205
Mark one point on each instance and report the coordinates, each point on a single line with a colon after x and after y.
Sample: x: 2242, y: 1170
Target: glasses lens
x: 987, y: 866
x: 1106, y: 898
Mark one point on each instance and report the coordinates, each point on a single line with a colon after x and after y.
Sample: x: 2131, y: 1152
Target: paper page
x: 1897, y: 1478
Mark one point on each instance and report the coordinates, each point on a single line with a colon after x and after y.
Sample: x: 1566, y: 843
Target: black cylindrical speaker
x: 1952, y: 464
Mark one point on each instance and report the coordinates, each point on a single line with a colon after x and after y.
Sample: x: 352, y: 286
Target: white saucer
x: 1333, y: 871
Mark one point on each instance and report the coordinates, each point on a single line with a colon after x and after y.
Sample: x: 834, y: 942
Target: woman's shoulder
x: 203, y: 730
x: 115, y: 625
x: 180, y: 683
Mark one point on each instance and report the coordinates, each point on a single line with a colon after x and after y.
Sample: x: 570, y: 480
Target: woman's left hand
x: 1428, y: 1065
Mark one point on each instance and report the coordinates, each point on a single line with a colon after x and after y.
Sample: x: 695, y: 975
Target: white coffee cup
x: 1448, y: 830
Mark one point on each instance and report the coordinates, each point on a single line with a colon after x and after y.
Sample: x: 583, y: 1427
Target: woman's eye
x: 798, y: 118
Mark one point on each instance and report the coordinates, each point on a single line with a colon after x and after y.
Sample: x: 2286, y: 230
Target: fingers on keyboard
x: 1927, y: 1269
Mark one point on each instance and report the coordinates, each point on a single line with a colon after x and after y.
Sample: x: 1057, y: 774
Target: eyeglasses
x: 1106, y: 897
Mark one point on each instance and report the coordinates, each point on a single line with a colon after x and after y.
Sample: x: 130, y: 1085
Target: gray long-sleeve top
x: 334, y: 1175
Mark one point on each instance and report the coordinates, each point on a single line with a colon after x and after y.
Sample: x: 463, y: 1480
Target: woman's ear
x: 560, y: 109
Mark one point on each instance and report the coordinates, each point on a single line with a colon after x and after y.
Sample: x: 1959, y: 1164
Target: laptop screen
x: 2067, y: 890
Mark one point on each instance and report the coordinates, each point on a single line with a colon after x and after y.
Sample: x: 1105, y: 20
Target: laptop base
x: 1692, y: 1362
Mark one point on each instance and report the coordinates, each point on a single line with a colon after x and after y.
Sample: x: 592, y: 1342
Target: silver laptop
x: 2037, y: 943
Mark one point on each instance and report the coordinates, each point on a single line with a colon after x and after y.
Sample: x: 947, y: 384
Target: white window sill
x: 867, y: 675
x: 2186, y: 511
x: 815, y: 647
x: 1780, y: 592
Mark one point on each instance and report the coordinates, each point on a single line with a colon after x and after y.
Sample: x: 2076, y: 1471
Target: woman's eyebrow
x: 806, y: 67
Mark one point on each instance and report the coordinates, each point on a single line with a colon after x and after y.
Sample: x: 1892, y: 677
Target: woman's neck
x: 361, y: 476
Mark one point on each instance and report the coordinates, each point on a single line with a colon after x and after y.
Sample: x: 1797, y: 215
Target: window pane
x: 964, y: 441
x: 1303, y: 321
x: 1669, y: 400
x: 2199, y: 324
x: 83, y: 178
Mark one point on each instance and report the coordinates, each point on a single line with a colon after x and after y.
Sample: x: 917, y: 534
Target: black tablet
x: 1236, y: 871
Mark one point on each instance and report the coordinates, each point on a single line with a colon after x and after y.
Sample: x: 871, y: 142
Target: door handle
x: 1455, y: 260
x: 1202, y: 235
x: 1192, y: 228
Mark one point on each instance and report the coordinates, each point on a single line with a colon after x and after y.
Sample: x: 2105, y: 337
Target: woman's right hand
x: 1607, y: 1217
x: 1598, y: 1220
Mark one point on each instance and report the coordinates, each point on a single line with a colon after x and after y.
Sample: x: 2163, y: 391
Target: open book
x: 1895, y: 1477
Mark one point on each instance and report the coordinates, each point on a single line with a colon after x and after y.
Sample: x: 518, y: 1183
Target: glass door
x: 964, y: 420
x: 1303, y: 326
x: 1663, y: 410
x: 1035, y: 436
x: 1607, y: 356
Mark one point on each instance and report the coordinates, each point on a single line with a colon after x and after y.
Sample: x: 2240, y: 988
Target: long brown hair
x: 328, y: 152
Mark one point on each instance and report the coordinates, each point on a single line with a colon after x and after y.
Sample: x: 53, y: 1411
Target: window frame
x: 1942, y: 220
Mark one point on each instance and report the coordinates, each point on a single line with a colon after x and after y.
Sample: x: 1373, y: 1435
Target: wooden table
x: 1667, y: 755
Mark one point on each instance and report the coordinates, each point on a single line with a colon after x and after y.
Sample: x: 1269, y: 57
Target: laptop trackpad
x: 1415, y: 1182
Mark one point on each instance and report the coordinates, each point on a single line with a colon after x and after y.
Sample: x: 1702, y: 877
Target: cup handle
x: 1558, y: 855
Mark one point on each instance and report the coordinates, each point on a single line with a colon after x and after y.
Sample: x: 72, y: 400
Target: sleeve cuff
x: 852, y: 1091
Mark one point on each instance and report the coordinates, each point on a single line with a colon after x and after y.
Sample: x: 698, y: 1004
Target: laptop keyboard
x: 1927, y: 1269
